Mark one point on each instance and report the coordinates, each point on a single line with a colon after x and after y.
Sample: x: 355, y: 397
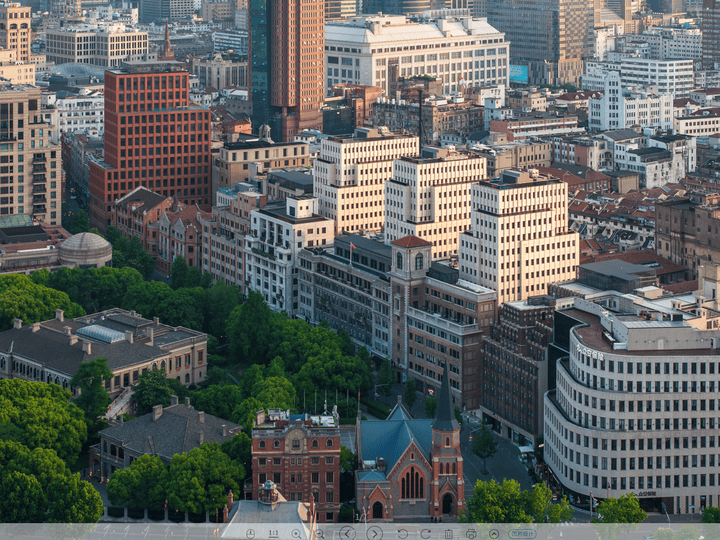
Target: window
x: 261, y: 444
x: 296, y: 443
x: 315, y: 477
x: 399, y: 261
x: 315, y: 443
x: 329, y: 477
x: 329, y: 443
x: 419, y: 261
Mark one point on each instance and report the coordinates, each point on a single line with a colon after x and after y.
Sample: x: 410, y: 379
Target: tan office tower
x: 15, y: 29
x: 519, y: 240
x: 288, y: 91
x: 710, y: 33
x: 31, y: 183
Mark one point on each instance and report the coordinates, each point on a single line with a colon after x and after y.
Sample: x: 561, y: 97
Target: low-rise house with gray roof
x: 52, y: 351
x: 164, y: 432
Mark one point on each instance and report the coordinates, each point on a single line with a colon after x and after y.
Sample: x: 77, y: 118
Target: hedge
x: 376, y: 408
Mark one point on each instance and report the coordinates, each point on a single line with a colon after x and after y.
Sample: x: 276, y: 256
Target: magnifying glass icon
x: 320, y: 534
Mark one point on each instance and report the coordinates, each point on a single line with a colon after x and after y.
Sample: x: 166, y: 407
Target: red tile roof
x: 411, y: 242
x: 681, y: 287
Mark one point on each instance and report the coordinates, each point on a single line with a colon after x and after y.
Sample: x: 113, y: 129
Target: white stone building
x: 517, y: 253
x: 73, y: 113
x: 350, y: 176
x: 100, y: 45
x: 635, y: 408
x: 670, y: 76
x: 662, y: 160
x: 374, y: 49
x: 429, y: 197
x: 277, y: 234
x: 621, y: 107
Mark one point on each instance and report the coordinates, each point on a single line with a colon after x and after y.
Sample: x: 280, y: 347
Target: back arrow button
x: 347, y: 533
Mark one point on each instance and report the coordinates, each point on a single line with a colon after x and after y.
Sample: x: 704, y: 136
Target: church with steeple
x: 410, y: 468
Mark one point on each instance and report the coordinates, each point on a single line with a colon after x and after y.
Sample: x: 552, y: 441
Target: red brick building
x: 154, y: 138
x: 179, y: 233
x: 137, y: 211
x: 301, y: 455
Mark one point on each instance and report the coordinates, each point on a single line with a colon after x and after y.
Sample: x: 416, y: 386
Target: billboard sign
x: 518, y: 74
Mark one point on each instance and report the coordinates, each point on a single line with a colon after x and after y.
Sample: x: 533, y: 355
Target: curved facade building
x: 637, y: 403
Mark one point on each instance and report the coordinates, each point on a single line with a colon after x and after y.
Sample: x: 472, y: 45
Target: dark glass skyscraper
x: 259, y: 25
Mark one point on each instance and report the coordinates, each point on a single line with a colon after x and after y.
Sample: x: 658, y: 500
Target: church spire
x: 445, y: 418
x: 168, y: 53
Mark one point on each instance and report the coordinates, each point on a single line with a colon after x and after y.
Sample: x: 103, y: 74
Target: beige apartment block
x: 98, y: 45
x: 30, y: 178
x: 15, y: 29
x: 429, y: 197
x: 519, y: 241
x: 16, y: 72
x: 351, y: 173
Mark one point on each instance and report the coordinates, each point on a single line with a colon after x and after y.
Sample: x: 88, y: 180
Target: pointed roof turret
x: 167, y: 53
x: 445, y: 418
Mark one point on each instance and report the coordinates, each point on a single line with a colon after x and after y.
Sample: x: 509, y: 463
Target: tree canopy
x: 43, y: 417
x: 141, y: 485
x: 36, y: 486
x: 155, y: 388
x: 430, y: 406
x: 200, y: 480
x: 484, y: 443
x: 129, y: 252
x: 625, y: 509
x: 90, y: 379
x: 410, y: 393
x: 508, y: 503
x: 253, y: 330
x: 22, y: 298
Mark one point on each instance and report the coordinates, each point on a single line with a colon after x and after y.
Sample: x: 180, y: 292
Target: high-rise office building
x: 163, y: 10
x: 155, y: 137
x: 550, y: 37
x: 287, y: 51
x: 31, y: 181
x: 15, y: 30
x: 429, y: 197
x: 518, y: 253
x: 710, y: 33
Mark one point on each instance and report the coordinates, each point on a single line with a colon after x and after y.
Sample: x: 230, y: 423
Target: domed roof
x: 84, y: 242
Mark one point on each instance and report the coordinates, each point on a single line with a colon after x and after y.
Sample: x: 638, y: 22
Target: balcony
x: 439, y: 321
x: 39, y: 168
x: 39, y: 189
x: 39, y: 179
x: 39, y: 199
x: 39, y: 209
x: 39, y: 158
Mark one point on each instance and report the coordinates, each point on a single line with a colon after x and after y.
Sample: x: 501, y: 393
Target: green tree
x: 90, y: 379
x: 141, y: 485
x: 386, y: 378
x: 201, y: 479
x: 458, y: 415
x: 155, y: 388
x: 348, y: 466
x: 711, y: 514
x: 252, y: 376
x: 410, y: 394
x: 244, y: 414
x: 183, y: 307
x: 347, y: 347
x: 496, y: 503
x: 74, y: 500
x: 431, y: 405
x: 664, y: 534
x: 179, y: 273
x: 484, y: 444
x: 253, y: 331
x: 42, y: 464
x: 220, y: 300
x: 129, y: 252
x: 22, y: 298
x: 541, y: 508
x: 687, y: 532
x: 217, y: 400
x: 239, y: 449
x: 22, y: 500
x: 80, y: 222
x: 275, y: 393
x: 43, y: 416
x: 625, y: 509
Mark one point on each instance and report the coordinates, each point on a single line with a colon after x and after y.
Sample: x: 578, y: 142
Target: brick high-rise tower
x: 154, y: 137
x: 15, y: 22
x: 287, y: 51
